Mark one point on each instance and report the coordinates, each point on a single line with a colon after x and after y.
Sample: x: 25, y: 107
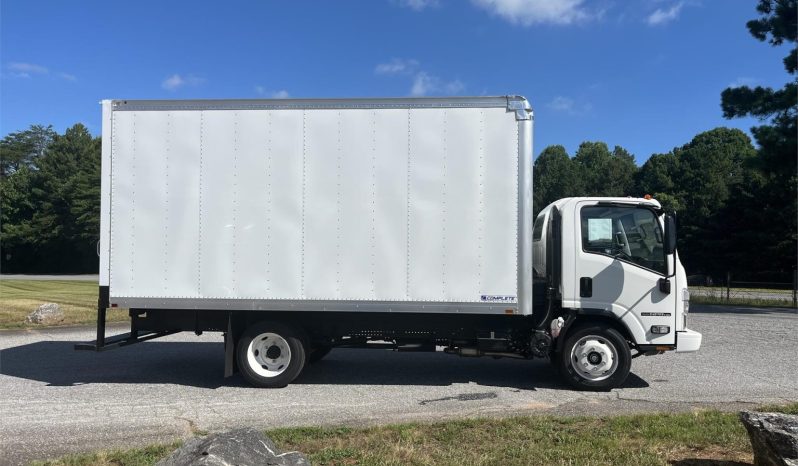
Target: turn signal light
x: 660, y: 329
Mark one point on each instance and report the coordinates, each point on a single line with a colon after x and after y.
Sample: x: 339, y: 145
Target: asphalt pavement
x: 56, y: 400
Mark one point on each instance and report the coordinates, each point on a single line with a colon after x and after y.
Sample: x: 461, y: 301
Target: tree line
x: 736, y: 204
x: 49, y: 201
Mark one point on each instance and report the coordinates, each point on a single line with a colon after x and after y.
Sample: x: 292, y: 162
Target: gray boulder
x: 47, y: 314
x: 774, y: 437
x: 240, y: 447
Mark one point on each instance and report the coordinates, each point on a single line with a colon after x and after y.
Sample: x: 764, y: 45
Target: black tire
x: 254, y: 346
x: 554, y: 361
x: 601, y: 339
x: 318, y: 353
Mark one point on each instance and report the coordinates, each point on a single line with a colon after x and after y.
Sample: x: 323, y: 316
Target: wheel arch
x: 579, y: 319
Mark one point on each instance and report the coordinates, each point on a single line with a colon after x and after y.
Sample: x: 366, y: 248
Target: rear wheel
x: 595, y: 358
x: 270, y: 354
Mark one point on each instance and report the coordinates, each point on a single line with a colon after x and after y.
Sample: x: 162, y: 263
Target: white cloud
x: 665, y: 15
x: 396, y: 66
x: 425, y: 84
x: 176, y: 81
x: 529, y: 12
x: 422, y: 83
x: 743, y: 81
x: 281, y: 94
x: 569, y: 106
x: 173, y: 82
x: 67, y: 76
x: 27, y: 68
x: 418, y: 5
x: 454, y: 87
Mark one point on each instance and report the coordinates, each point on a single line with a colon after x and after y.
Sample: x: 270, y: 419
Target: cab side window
x: 630, y: 234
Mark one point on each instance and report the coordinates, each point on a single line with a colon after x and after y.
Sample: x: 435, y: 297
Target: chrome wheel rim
x: 594, y: 358
x: 268, y: 354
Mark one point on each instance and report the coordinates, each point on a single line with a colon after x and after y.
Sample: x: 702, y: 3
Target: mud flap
x: 230, y: 340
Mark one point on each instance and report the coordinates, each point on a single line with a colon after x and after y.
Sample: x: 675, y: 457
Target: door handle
x: 664, y: 285
x: 585, y: 287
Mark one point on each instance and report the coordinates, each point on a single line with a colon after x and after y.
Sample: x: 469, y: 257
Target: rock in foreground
x: 774, y: 437
x: 243, y: 447
x: 46, y: 314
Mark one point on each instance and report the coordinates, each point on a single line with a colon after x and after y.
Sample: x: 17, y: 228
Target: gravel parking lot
x: 56, y: 400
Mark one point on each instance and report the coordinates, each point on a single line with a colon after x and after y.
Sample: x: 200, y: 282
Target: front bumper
x: 687, y: 341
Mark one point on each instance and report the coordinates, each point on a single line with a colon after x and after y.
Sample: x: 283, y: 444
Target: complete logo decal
x: 490, y: 298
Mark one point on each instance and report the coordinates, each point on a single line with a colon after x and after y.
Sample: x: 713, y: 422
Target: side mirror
x: 670, y: 234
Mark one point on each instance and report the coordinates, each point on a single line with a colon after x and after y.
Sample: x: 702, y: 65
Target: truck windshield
x: 631, y: 234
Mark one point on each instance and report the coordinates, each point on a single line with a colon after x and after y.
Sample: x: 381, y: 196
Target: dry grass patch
x: 78, y: 300
x: 138, y: 457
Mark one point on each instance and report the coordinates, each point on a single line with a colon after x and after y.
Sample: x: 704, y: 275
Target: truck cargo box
x: 413, y: 205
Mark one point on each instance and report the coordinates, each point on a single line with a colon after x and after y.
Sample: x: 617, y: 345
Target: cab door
x: 622, y: 268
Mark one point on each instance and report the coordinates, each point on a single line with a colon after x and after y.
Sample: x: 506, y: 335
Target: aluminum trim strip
x: 105, y: 195
x: 311, y: 305
x: 276, y: 104
x: 525, y: 218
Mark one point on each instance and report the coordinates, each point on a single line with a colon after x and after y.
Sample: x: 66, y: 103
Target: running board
x: 119, y: 341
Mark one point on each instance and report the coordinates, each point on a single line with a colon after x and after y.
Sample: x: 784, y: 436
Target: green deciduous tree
x: 656, y: 177
x: 710, y: 169
x: 605, y: 173
x: 21, y: 148
x: 555, y: 177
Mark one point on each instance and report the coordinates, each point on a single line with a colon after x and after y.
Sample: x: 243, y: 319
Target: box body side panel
x: 374, y: 205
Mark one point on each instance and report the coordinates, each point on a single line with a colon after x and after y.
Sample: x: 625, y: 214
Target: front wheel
x: 595, y: 358
x: 270, y: 354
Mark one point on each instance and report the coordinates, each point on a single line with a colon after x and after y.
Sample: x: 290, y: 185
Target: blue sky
x: 646, y: 75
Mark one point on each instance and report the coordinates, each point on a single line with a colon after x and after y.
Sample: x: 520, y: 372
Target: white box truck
x: 297, y: 226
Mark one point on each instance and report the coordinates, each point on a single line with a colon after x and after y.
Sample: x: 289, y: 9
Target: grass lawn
x: 753, y: 302
x: 78, y: 300
x: 756, y: 297
x: 699, y: 438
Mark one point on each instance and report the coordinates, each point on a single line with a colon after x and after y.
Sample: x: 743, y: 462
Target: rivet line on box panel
x: 407, y: 232
x: 373, y: 201
x: 113, y: 187
x: 199, y: 198
x: 481, y: 221
x: 443, y: 206
x: 166, y: 201
x: 133, y: 207
x: 304, y: 162
x: 235, y: 196
x: 338, y: 209
x: 269, y: 201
